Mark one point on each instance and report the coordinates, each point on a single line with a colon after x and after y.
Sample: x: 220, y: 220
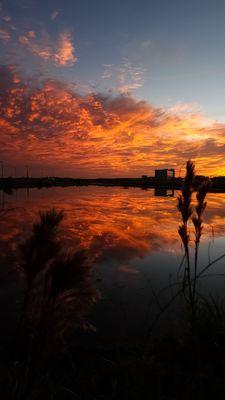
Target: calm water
x: 132, y: 235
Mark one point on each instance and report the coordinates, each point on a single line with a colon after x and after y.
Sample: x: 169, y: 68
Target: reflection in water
x: 108, y: 221
x: 163, y: 192
x: 130, y: 234
x: 58, y: 287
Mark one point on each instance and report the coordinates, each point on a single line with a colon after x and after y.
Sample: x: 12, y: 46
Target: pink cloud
x: 31, y: 34
x: 54, y: 15
x: 61, y: 52
x: 125, y: 78
x: 4, y: 36
x: 6, y: 18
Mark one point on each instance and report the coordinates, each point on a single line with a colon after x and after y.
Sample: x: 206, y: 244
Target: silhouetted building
x: 165, y: 173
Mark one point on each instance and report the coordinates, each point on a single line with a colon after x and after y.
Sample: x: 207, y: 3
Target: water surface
x: 132, y: 236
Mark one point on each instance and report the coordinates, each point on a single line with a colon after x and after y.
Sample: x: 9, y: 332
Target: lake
x: 131, y: 236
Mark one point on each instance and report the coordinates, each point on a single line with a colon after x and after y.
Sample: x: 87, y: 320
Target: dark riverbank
x: 8, y: 184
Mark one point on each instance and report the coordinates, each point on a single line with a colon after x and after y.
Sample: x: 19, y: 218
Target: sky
x: 112, y: 88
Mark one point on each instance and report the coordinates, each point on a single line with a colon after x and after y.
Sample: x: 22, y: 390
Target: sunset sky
x: 99, y: 88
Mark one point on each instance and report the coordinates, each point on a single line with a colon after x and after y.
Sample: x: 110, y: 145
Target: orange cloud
x: 65, y: 53
x: 61, y: 52
x: 51, y: 125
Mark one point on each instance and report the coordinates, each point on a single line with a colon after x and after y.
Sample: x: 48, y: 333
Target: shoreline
x: 9, y: 184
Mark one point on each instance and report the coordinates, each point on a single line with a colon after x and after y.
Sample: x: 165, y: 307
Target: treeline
x: 9, y: 183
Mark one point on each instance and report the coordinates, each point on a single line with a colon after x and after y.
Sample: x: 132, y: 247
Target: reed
x: 191, y: 213
x: 59, y: 292
x: 185, y: 207
x: 59, y: 288
x: 197, y: 219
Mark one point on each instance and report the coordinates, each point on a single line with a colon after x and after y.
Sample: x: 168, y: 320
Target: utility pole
x: 27, y: 170
x: 2, y: 168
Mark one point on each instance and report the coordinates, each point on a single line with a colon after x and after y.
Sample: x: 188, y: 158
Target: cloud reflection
x: 110, y: 223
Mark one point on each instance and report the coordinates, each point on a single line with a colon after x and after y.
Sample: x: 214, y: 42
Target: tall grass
x: 59, y: 291
x: 191, y: 213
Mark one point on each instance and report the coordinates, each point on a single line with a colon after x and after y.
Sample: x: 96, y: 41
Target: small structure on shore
x: 165, y: 173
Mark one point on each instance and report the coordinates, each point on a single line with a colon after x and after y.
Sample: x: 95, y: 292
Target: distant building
x: 164, y: 173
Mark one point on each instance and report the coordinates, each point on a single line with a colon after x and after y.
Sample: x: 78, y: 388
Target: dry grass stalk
x: 191, y: 213
x: 59, y: 286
